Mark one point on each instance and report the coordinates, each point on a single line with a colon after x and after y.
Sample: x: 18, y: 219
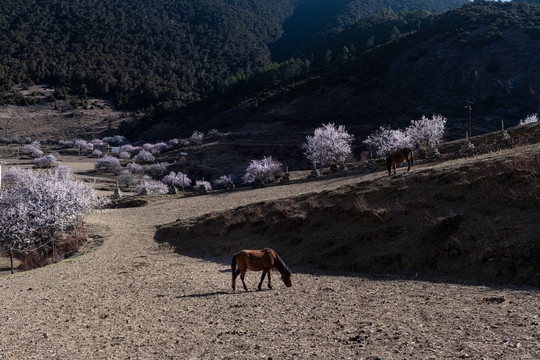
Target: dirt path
x: 135, y: 299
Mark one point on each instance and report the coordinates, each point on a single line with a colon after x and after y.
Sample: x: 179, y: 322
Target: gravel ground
x: 135, y: 299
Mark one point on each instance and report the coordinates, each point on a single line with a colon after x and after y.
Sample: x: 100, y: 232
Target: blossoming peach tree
x: 35, y: 206
x: 329, y: 145
x: 426, y: 131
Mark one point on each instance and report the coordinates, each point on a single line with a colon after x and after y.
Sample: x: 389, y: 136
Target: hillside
x: 484, y: 52
x: 162, y: 53
x: 313, y: 21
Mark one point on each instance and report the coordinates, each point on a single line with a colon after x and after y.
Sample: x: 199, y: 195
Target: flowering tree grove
x: 426, y: 131
x: 329, y: 145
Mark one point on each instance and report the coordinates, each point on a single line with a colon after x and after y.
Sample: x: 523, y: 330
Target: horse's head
x: 286, y: 277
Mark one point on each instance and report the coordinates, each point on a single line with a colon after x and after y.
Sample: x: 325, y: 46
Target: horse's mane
x: 283, y: 268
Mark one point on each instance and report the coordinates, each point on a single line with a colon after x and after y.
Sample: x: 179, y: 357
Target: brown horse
x: 397, y: 157
x: 259, y: 260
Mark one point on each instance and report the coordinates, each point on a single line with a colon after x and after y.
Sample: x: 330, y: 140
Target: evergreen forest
x: 169, y: 53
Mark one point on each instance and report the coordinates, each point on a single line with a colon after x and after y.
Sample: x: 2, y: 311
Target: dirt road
x: 135, y: 299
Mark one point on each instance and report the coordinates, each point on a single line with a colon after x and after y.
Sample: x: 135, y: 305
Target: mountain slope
x: 315, y: 20
x: 484, y: 52
x: 148, y: 52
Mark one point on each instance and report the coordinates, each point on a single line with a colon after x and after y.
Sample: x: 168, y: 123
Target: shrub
x: 83, y: 145
x: 151, y: 187
x: 108, y: 164
x: 196, y: 138
x: 114, y: 140
x: 33, y: 149
x: 97, y: 153
x: 126, y: 178
x: 66, y: 143
x: 264, y: 170
x: 144, y: 157
x: 156, y: 171
x: 203, y: 184
x: 222, y: 181
x: 177, y: 179
x: 133, y: 150
x: 45, y: 161
x: 135, y: 168
x: 155, y: 148
x: 173, y: 142
x: 124, y: 155
x: 529, y: 119
x: 329, y: 145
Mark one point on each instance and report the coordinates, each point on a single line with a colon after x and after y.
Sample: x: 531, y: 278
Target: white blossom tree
x: 177, y: 179
x: 426, y: 131
x: 264, y: 170
x: 108, y: 164
x: 529, y: 119
x: 329, y: 145
x: 33, y: 205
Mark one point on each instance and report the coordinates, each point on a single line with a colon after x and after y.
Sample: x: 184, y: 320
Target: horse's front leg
x: 262, y: 279
x: 409, y: 163
x: 269, y: 279
x: 394, y: 166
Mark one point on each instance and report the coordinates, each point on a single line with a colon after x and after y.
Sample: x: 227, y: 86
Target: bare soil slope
x: 475, y: 219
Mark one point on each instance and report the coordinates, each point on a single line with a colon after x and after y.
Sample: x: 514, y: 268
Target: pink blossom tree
x: 329, y: 145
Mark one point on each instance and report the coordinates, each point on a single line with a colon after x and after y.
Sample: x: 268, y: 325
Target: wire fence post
x: 11, y: 258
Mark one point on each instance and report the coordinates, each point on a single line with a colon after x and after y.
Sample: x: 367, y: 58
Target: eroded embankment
x: 476, y: 219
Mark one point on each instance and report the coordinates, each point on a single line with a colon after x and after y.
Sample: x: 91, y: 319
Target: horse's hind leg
x: 234, y: 279
x: 409, y: 163
x: 242, y: 275
x: 262, y: 279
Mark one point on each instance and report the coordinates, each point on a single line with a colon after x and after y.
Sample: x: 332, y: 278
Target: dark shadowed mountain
x: 484, y: 52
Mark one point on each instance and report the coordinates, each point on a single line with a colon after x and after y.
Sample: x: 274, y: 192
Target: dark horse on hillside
x: 397, y: 157
x: 259, y: 260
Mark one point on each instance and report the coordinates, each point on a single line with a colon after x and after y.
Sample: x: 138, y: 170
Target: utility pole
x: 469, y: 107
x: 184, y: 154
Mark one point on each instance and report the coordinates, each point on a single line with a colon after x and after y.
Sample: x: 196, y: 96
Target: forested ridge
x: 138, y: 52
x: 165, y: 53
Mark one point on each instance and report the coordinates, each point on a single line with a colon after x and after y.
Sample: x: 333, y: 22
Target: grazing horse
x: 397, y: 157
x: 259, y: 260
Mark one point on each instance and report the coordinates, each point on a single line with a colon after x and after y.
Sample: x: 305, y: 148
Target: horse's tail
x: 233, y: 268
x: 412, y: 158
